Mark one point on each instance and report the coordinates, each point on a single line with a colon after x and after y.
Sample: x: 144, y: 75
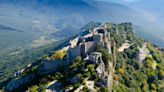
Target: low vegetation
x: 59, y: 54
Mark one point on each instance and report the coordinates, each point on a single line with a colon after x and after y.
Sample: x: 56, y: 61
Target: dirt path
x: 123, y: 47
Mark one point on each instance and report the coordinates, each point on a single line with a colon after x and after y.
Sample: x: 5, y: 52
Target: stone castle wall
x: 51, y: 66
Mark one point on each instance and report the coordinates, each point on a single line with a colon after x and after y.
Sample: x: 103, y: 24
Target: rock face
x: 15, y: 83
x: 101, y: 71
x: 96, y: 58
x: 104, y: 75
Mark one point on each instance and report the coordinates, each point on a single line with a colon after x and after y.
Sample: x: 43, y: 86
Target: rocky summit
x: 103, y: 57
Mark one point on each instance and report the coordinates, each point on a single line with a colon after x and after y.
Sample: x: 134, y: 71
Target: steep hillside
x: 30, y: 24
x: 26, y: 25
x: 102, y: 58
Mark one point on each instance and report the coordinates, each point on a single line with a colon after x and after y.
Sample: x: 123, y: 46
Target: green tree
x: 33, y: 88
x: 76, y: 85
x: 95, y: 76
x: 90, y: 67
x: 161, y: 74
x: 104, y: 89
x: 153, y: 86
x: 78, y: 59
x: 42, y: 88
x: 87, y: 74
x: 149, y: 63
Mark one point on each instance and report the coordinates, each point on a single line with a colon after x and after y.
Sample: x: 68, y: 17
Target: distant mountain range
x: 52, y: 16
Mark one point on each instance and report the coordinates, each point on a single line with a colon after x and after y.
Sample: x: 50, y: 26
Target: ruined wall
x: 98, y: 37
x: 74, y: 52
x: 87, y: 47
x: 51, y: 66
x: 107, y: 43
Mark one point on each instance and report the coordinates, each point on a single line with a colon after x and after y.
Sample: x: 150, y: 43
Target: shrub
x: 33, y: 88
x: 90, y: 67
x: 59, y: 54
x: 42, y: 88
x: 77, y: 62
x: 121, y: 70
x: 44, y: 57
x: 87, y: 74
x: 104, y: 89
x: 105, y: 54
x: 153, y: 86
x: 115, y: 77
x: 78, y: 59
x: 76, y: 85
x: 149, y: 63
x: 58, y: 76
x: 43, y: 81
x: 85, y: 89
x: 95, y: 76
x: 161, y: 74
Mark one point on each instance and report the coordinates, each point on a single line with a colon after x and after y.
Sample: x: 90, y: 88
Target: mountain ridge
x: 43, y: 22
x: 104, y: 57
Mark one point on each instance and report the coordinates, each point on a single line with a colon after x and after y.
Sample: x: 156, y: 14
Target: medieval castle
x: 80, y: 46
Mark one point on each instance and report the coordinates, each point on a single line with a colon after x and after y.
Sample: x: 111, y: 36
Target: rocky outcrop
x: 105, y: 75
x: 143, y: 53
x: 96, y: 57
x: 15, y: 83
